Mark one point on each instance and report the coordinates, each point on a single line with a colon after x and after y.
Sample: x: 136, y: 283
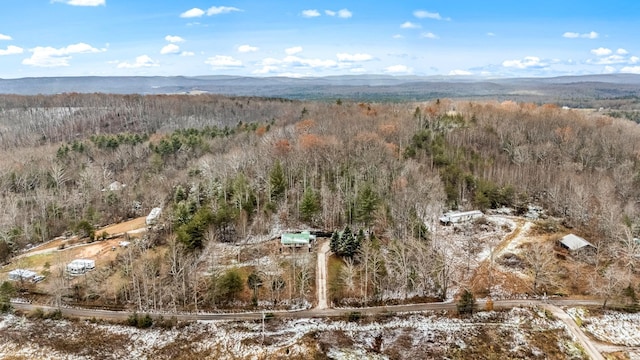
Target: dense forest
x: 225, y: 169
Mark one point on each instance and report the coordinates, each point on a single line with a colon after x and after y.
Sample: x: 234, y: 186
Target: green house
x: 297, y: 239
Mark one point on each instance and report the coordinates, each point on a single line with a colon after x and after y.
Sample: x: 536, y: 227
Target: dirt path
x: 589, y: 347
x: 321, y: 275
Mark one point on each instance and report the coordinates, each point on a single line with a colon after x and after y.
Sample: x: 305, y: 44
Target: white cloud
x: 591, y: 35
x: 571, y: 35
x: 247, y: 48
x: 187, y: 53
x: 344, y: 13
x: 195, y: 12
x: 216, y: 10
x: 330, y: 12
x: 460, y: 73
x: 293, y: 50
x: 141, y: 61
x: 266, y: 69
x: 631, y: 69
x: 5, y: 37
x: 173, y: 39
x: 83, y: 2
x: 398, y: 69
x: 575, y: 35
x: 528, y: 62
x: 11, y: 50
x: 170, y: 49
x: 223, y: 61
x: 622, y: 51
x: 491, y: 34
x: 398, y: 36
x: 429, y: 35
x: 353, y: 57
x: 422, y: 14
x: 310, y: 13
x: 313, y: 63
x: 52, y: 57
x: 613, y: 59
x: 609, y: 69
x: 410, y: 25
x: 601, y: 51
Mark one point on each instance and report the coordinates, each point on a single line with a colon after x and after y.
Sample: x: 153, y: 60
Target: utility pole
x: 263, y: 316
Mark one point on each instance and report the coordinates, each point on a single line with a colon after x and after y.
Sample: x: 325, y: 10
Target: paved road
x: 321, y: 275
x: 311, y: 313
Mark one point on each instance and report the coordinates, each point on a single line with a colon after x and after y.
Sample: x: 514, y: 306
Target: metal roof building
x: 574, y: 242
x: 296, y: 239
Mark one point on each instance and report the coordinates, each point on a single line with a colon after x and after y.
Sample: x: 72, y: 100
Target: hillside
x: 231, y: 174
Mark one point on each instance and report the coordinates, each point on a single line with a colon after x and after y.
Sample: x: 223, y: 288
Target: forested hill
x: 241, y: 170
x: 360, y: 87
x: 253, y: 161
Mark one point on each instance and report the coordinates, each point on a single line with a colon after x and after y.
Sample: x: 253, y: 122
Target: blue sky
x: 318, y: 38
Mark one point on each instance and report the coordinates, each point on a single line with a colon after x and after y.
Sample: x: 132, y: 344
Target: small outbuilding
x: 574, y: 243
x: 297, y: 239
x: 80, y: 266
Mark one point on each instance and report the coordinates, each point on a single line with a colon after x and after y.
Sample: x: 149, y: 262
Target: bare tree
x: 541, y: 260
x: 608, y: 283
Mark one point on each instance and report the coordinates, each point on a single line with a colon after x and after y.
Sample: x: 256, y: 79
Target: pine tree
x: 366, y: 204
x: 310, y: 205
x: 277, y: 181
x: 467, y: 303
x: 335, y: 242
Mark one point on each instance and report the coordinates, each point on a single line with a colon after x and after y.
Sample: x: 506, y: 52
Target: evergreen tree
x: 467, y: 303
x: 192, y: 234
x: 277, y: 181
x: 335, y: 242
x: 346, y: 243
x: 367, y: 202
x: 229, y: 286
x: 310, y: 205
x: 7, y: 291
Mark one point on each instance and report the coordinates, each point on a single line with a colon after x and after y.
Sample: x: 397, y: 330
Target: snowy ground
x: 519, y: 333
x: 611, y: 327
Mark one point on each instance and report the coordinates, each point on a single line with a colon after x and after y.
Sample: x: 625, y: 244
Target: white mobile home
x: 80, y: 266
x: 22, y: 275
x: 455, y: 217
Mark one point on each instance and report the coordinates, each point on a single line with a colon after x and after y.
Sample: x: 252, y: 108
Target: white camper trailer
x: 153, y: 216
x: 80, y: 266
x: 455, y: 217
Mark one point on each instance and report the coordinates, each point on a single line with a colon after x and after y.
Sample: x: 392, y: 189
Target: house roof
x: 574, y: 242
x: 302, y: 238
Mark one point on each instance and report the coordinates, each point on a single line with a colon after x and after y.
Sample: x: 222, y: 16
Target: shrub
x: 354, y: 316
x: 36, y: 313
x: 467, y: 303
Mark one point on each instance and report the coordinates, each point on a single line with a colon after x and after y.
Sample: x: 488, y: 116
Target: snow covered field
x: 518, y: 333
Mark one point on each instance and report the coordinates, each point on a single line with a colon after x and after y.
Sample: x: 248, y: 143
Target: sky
x: 310, y: 38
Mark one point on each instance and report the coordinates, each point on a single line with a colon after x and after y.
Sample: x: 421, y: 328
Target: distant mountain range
x: 357, y: 87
